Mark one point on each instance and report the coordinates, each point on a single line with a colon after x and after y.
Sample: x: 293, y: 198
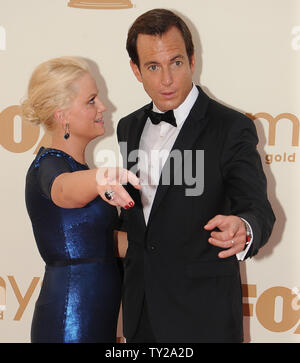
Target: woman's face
x: 85, y: 114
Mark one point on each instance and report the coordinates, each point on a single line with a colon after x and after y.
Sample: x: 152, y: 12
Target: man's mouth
x: 168, y: 94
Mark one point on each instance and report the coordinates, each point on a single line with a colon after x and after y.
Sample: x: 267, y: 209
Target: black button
x: 152, y: 248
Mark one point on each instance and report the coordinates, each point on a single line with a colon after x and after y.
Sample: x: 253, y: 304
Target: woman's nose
x: 100, y: 106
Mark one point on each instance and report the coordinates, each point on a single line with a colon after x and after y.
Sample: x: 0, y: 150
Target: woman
x: 73, y: 227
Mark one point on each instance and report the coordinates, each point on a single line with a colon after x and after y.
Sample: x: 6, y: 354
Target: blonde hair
x: 51, y: 86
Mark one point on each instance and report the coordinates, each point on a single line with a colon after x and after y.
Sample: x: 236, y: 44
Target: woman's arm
x: 74, y: 190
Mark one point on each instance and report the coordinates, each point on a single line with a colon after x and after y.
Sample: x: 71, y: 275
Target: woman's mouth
x: 99, y: 121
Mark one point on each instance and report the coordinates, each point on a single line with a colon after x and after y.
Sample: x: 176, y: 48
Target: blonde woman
x: 72, y: 225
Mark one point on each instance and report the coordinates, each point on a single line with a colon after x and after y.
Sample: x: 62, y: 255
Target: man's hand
x: 232, y: 235
x: 110, y: 180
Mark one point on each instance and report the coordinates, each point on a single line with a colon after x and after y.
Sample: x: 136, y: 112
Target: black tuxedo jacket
x: 192, y: 295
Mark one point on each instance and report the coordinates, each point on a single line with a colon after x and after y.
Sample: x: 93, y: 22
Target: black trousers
x: 144, y: 333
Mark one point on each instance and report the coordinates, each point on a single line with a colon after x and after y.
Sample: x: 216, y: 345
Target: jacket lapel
x: 133, y: 141
x: 191, y: 129
x: 137, y: 127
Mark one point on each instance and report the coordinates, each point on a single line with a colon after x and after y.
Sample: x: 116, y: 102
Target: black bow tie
x: 156, y: 117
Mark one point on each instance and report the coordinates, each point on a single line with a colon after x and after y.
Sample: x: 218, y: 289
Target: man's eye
x: 153, y: 67
x: 92, y: 101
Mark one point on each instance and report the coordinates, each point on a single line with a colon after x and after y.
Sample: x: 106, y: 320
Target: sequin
x: 80, y: 302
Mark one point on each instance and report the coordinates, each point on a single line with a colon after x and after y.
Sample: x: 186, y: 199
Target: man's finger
x: 228, y: 253
x: 236, y: 248
x: 221, y: 244
x: 213, y: 223
x: 232, y: 247
x: 221, y: 236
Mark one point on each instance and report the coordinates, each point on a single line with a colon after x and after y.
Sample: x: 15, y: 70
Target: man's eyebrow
x: 150, y: 63
x: 179, y: 56
x: 176, y: 57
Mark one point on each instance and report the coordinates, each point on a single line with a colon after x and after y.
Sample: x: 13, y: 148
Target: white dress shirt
x: 155, y: 146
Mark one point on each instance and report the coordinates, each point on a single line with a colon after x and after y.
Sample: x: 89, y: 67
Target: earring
x: 67, y: 131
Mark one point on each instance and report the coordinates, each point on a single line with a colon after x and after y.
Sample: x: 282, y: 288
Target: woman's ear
x: 59, y: 115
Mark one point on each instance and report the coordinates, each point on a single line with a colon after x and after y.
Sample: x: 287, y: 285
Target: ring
x: 109, y: 194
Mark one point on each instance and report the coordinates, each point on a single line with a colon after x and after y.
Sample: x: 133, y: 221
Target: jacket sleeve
x: 245, y: 181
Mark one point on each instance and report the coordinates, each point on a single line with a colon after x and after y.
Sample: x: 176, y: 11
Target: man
x: 182, y: 280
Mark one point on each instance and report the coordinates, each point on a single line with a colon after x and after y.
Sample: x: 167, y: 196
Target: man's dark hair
x: 157, y: 22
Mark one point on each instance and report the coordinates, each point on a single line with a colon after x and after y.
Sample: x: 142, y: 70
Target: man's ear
x: 192, y: 63
x: 136, y: 71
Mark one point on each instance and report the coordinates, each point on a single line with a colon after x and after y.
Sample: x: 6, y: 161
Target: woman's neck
x: 71, y: 147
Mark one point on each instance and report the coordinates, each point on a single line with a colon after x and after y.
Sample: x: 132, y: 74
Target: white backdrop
x: 248, y: 57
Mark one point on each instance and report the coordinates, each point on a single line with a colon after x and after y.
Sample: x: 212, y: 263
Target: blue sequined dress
x: 81, y: 291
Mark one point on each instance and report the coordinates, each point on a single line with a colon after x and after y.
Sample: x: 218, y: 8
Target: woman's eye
x: 92, y: 101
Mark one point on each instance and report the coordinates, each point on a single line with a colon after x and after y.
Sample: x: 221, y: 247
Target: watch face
x: 100, y: 4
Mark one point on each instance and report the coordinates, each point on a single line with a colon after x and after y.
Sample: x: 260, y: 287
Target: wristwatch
x: 248, y: 233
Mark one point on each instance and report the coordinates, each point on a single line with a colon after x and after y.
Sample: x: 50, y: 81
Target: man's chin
x: 166, y: 106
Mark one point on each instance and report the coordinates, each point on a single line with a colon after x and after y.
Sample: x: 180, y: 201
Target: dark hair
x: 157, y: 22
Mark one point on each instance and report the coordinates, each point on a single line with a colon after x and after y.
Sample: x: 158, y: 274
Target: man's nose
x: 167, y: 77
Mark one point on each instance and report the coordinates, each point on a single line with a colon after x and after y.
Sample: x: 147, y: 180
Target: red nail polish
x: 126, y: 207
x: 131, y: 204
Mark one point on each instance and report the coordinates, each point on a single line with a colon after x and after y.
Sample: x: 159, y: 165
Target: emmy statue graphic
x: 100, y: 4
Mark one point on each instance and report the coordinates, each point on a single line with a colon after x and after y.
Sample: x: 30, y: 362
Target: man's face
x: 165, y: 69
